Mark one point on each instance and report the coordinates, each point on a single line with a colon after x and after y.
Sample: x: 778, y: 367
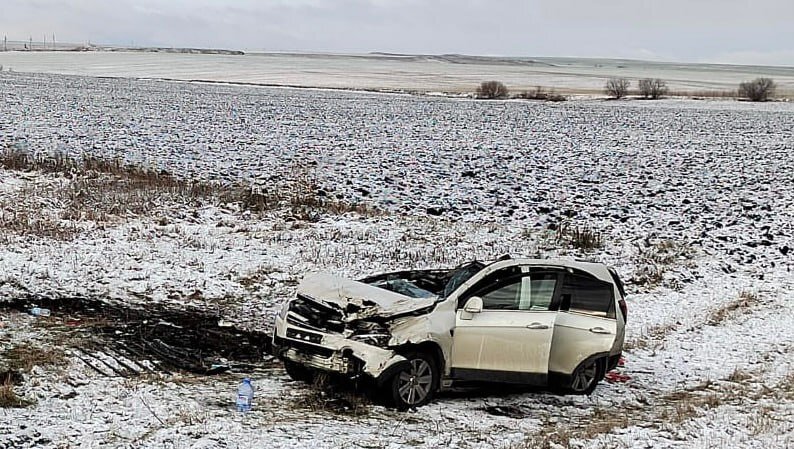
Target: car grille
x: 310, y: 314
x: 302, y: 335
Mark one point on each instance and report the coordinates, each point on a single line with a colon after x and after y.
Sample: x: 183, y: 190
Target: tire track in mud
x: 119, y: 339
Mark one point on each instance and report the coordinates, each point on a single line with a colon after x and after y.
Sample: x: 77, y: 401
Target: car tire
x: 298, y: 372
x: 586, y: 377
x: 414, y: 385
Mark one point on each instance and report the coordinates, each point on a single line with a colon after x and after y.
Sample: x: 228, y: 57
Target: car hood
x: 357, y: 299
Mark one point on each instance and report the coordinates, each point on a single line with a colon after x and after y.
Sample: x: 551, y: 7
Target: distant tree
x: 760, y: 89
x: 617, y: 87
x: 492, y: 89
x: 652, y: 88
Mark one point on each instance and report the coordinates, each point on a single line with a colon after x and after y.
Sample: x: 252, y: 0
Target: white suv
x: 553, y: 323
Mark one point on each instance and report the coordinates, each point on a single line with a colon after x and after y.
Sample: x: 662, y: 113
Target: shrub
x: 617, y: 87
x: 491, y: 90
x: 760, y: 89
x: 652, y: 88
x: 539, y: 93
x: 584, y: 237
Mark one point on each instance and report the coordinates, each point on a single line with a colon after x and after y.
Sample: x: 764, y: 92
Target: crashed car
x: 549, y: 323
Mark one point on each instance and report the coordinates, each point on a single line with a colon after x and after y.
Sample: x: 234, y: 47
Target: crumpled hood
x: 357, y: 299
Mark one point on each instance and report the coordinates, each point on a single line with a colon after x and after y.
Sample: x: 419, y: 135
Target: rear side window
x: 582, y: 294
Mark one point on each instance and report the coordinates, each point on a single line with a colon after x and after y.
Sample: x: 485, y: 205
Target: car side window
x: 537, y: 291
x: 505, y: 297
x: 522, y: 291
x: 582, y: 294
x: 495, y: 279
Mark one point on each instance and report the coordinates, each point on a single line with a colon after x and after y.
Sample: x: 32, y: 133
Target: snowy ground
x: 694, y: 201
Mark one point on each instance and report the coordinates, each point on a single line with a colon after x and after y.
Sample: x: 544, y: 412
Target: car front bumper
x: 331, y: 352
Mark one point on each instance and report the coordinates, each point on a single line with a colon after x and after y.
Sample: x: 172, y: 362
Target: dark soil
x: 185, y: 339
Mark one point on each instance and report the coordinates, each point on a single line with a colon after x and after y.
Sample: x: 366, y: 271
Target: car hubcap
x: 584, y: 377
x: 414, y: 384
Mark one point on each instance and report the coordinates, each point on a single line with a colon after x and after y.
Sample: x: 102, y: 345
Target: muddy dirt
x: 186, y: 339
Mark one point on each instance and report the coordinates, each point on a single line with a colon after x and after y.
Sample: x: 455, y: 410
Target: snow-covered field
x: 694, y: 201
x: 405, y: 73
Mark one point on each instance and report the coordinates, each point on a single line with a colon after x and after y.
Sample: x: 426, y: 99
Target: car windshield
x: 403, y: 287
x: 461, y: 275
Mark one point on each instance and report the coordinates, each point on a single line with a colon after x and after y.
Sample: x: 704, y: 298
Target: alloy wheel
x: 415, y: 384
x: 584, y: 377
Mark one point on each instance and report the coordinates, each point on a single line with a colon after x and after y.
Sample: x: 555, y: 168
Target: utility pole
x: 5, y: 43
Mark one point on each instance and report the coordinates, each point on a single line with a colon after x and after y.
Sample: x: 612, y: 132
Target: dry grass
x: 580, y: 237
x: 652, y: 338
x: 101, y: 190
x: 24, y: 358
x: 739, y: 376
x: 323, y: 396
x: 704, y: 93
x: 9, y: 398
x: 653, y: 260
x: 539, y: 93
x: 743, y: 303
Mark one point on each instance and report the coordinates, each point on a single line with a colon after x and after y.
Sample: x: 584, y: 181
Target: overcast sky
x: 731, y: 31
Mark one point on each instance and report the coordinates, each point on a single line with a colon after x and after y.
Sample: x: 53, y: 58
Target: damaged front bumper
x: 332, y: 352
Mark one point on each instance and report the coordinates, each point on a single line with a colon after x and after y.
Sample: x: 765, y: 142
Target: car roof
x: 595, y: 269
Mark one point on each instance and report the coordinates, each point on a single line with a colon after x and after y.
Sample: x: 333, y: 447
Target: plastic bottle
x: 38, y: 311
x: 245, y: 395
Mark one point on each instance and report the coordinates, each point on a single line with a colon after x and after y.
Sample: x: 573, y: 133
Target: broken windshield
x: 403, y: 287
x: 461, y: 275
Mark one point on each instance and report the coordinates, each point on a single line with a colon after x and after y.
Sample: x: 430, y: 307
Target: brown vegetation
x: 652, y: 88
x: 100, y: 190
x: 490, y: 90
x: 9, y: 398
x: 744, y: 303
x: 580, y: 237
x: 760, y: 89
x: 617, y: 87
x: 539, y: 93
x: 654, y: 259
x: 24, y: 358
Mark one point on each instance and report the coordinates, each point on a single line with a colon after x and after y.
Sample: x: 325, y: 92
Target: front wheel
x: 299, y: 372
x: 416, y: 383
x: 586, y: 377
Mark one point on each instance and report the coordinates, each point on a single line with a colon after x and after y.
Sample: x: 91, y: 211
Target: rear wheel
x: 586, y: 377
x: 299, y: 372
x: 416, y: 383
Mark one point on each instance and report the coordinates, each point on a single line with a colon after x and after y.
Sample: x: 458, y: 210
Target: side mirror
x: 473, y: 305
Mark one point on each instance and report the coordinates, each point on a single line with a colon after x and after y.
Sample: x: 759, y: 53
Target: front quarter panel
x: 435, y: 327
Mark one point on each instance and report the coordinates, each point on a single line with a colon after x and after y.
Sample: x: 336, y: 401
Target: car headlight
x: 371, y: 333
x: 379, y: 340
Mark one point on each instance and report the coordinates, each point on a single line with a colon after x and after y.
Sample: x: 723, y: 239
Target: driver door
x: 509, y: 339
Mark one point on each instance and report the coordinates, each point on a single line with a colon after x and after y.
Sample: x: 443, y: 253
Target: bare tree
x: 492, y: 89
x: 759, y: 89
x: 617, y: 87
x: 652, y: 88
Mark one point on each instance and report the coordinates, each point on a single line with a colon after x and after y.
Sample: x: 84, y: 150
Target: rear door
x: 586, y: 324
x: 510, y: 339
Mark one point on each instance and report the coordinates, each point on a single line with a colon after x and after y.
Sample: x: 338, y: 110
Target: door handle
x: 537, y: 326
x: 599, y: 330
